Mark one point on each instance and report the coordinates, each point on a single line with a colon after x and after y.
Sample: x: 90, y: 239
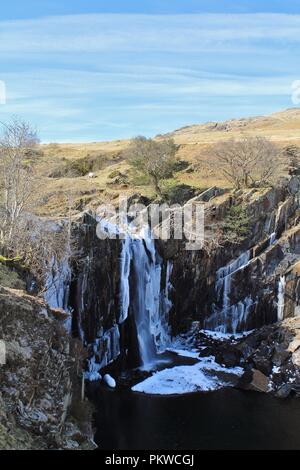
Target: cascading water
x: 229, y: 318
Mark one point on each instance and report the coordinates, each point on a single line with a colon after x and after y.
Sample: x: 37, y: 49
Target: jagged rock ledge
x: 270, y: 356
x: 40, y: 390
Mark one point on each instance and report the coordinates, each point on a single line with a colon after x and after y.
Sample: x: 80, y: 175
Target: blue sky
x: 97, y: 70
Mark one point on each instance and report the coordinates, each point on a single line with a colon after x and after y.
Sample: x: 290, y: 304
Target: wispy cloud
x: 107, y: 32
x: 131, y: 73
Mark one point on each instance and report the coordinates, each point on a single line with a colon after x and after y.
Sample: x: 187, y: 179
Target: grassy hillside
x: 63, y: 168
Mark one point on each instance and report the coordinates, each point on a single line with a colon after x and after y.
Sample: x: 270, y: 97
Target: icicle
x: 57, y: 284
x: 150, y: 307
x: 124, y: 279
x: 280, y: 298
x: 229, y: 318
x: 272, y: 238
x: 145, y: 303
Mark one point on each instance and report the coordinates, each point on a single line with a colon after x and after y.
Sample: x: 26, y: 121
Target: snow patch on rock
x: 201, y: 377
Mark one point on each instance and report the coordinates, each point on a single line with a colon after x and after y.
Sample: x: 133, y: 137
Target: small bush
x: 180, y: 165
x: 177, y: 193
x: 80, y: 167
x: 236, y: 224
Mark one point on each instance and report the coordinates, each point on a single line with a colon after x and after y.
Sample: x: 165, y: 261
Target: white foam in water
x: 179, y: 380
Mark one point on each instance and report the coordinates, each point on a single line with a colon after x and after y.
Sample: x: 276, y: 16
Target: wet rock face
x: 207, y: 286
x: 274, y: 246
x: 94, y: 295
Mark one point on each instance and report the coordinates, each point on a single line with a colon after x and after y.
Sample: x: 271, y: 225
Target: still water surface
x: 226, y: 419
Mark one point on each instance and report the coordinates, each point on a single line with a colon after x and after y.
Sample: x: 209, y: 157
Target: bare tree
x: 251, y: 161
x: 17, y: 176
x: 152, y: 158
x: 41, y: 244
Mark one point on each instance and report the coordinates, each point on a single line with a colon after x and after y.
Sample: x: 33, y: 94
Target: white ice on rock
x: 93, y: 370
x: 184, y: 352
x: 124, y: 279
x: 57, y: 288
x: 57, y: 284
x: 109, y: 380
x: 218, y: 335
x: 200, y: 377
x: 280, y: 298
x: 227, y: 317
x: 150, y: 305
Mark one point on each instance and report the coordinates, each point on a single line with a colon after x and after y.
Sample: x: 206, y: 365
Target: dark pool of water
x: 227, y: 419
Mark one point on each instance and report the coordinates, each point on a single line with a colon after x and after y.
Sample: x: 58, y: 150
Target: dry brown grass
x: 282, y: 128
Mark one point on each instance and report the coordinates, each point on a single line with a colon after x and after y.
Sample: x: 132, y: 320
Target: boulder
x: 280, y: 355
x: 263, y: 364
x: 296, y: 358
x: 294, y: 345
x: 246, y: 350
x: 259, y: 382
x: 15, y: 351
x: 284, y: 391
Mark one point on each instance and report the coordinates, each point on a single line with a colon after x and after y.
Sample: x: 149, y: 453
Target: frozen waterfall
x: 57, y: 288
x: 57, y: 284
x: 140, y: 288
x: 229, y: 318
x: 280, y: 298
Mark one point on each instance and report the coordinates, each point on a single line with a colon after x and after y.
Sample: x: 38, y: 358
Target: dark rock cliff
x: 40, y: 380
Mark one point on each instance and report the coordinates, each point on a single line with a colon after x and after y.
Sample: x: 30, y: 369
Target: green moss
x: 177, y: 193
x: 10, y: 278
x: 5, y: 260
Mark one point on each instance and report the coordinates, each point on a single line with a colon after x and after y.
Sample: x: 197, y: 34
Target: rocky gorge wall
x: 253, y: 268
x: 40, y: 382
x: 231, y: 288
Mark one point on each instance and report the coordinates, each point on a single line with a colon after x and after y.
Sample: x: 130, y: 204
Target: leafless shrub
x: 17, y: 146
x: 251, y: 161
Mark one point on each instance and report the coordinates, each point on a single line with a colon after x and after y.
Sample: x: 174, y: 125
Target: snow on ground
x: 184, y: 352
x: 178, y: 380
x: 224, y: 336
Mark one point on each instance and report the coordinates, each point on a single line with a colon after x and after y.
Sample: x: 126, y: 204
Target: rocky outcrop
x: 228, y: 288
x: 94, y: 291
x: 40, y: 385
x: 270, y: 357
x: 273, y: 247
